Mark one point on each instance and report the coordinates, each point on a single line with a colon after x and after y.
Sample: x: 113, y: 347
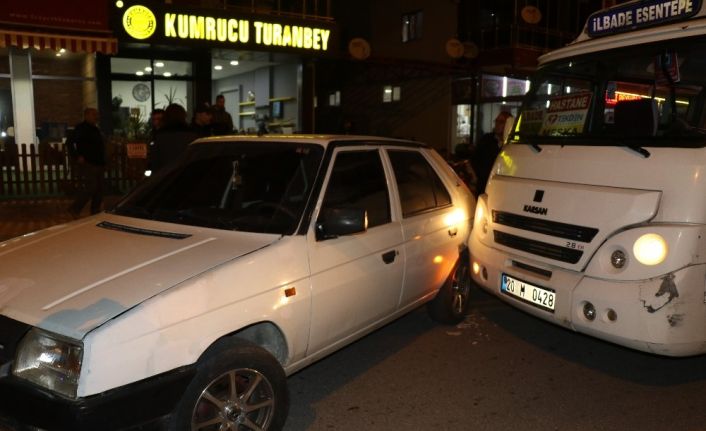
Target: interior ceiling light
x: 167, y: 74
x: 139, y: 73
x: 218, y: 67
x: 148, y: 69
x: 159, y: 64
x: 234, y: 62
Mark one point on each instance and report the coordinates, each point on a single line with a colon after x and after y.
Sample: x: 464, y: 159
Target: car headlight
x: 650, y: 249
x: 50, y: 361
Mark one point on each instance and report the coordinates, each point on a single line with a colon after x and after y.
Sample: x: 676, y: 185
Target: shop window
x: 6, y: 115
x: 141, y: 67
x: 171, y: 69
x: 4, y: 63
x: 412, y: 26
x: 334, y: 99
x: 463, y: 124
x: 63, y: 84
x: 141, y: 85
x: 391, y: 93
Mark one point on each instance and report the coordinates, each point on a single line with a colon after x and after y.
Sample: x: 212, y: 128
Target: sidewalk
x: 21, y: 216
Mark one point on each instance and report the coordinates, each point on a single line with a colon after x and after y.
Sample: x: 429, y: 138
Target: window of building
x: 140, y: 85
x: 391, y: 93
x: 63, y: 84
x: 334, y: 99
x: 358, y: 181
x: 412, y: 26
x: 419, y: 186
x: 6, y: 115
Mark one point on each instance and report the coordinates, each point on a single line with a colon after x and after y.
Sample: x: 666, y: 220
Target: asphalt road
x: 499, y: 370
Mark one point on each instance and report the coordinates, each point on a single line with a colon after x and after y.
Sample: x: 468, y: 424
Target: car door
x: 355, y: 279
x: 430, y: 243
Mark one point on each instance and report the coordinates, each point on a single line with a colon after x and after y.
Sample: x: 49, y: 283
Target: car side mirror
x: 335, y: 222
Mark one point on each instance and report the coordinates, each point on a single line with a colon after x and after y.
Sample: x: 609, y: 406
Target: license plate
x: 538, y: 296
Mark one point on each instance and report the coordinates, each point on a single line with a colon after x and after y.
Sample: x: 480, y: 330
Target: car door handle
x: 389, y: 257
x: 453, y: 232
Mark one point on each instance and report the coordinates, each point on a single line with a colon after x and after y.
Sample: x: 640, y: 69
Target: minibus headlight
x: 50, y: 361
x: 650, y: 249
x: 479, y: 215
x: 480, y: 220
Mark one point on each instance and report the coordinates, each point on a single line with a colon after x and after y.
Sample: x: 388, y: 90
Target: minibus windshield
x: 643, y: 96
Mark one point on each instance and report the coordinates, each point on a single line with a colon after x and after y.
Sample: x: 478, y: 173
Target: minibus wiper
x: 638, y: 149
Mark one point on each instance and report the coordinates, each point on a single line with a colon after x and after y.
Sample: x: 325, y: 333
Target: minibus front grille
x: 539, y: 248
x: 546, y: 227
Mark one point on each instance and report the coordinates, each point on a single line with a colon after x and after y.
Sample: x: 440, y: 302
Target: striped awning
x: 22, y: 39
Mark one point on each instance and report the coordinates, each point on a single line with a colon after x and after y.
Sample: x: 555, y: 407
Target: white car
x: 249, y: 259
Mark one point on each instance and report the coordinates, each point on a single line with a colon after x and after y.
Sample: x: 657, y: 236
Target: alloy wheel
x: 239, y: 400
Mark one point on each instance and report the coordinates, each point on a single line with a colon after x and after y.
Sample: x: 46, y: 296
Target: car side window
x: 419, y: 186
x: 358, y: 181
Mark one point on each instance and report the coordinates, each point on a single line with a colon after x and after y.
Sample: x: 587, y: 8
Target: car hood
x: 70, y: 279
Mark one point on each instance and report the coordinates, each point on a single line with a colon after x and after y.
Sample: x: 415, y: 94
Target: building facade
x: 438, y: 71
x: 506, y: 38
x: 48, y: 67
x: 257, y: 54
x: 394, y: 75
x: 128, y: 58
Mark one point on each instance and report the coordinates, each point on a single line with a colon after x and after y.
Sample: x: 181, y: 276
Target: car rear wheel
x: 450, y: 305
x: 237, y: 387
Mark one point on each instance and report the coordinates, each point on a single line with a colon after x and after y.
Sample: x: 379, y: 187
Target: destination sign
x: 637, y: 15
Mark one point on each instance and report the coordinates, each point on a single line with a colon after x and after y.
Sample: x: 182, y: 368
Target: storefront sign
x: 158, y: 24
x: 636, y: 15
x: 137, y: 151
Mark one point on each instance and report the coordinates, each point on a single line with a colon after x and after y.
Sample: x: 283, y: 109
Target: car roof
x: 324, y: 140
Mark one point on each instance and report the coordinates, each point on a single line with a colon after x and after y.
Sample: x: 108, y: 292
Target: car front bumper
x: 141, y: 405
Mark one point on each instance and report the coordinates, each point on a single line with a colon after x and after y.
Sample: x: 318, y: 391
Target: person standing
x: 222, y: 122
x: 156, y: 121
x: 487, y: 149
x: 201, y: 122
x: 173, y: 138
x: 87, y: 147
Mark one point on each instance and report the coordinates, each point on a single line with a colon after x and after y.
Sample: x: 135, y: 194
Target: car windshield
x: 645, y: 95
x: 244, y: 186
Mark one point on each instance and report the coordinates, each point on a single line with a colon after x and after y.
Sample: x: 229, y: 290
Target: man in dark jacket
x: 221, y: 121
x: 487, y: 149
x: 201, y: 122
x: 87, y: 148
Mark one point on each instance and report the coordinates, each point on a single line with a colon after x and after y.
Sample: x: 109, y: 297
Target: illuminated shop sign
x: 637, y: 15
x: 149, y: 24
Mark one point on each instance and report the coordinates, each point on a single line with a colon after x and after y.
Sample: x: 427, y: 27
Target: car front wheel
x: 238, y: 386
